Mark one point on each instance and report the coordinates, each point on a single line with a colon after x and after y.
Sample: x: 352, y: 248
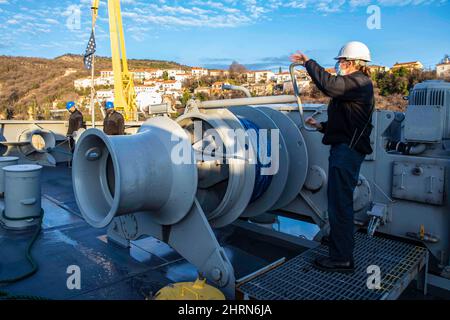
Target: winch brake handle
x: 297, y: 95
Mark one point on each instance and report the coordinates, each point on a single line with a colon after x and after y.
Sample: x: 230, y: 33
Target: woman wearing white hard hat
x: 347, y: 131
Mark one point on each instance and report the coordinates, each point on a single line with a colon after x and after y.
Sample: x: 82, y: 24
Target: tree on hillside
x: 400, y: 81
x: 237, y: 71
x: 13, y: 97
x: 185, y: 98
x: 236, y: 67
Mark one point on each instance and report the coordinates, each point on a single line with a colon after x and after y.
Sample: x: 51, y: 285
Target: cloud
x: 360, y: 3
x: 233, y: 13
x: 51, y: 21
x: 332, y: 6
x: 39, y: 17
x: 265, y: 63
x: 196, y: 14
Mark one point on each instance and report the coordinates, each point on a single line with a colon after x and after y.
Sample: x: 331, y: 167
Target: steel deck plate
x: 297, y: 279
x: 110, y: 272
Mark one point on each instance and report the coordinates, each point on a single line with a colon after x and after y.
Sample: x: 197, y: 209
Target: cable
x: 34, y: 269
x: 262, y: 182
x: 6, y: 296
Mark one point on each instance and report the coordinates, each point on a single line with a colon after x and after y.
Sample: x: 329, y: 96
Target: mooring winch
x: 147, y: 175
x: 130, y: 182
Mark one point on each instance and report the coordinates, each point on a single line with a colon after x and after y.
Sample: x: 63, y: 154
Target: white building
x: 443, y: 68
x: 87, y: 82
x: 150, y: 88
x: 281, y: 78
x: 219, y: 73
x: 173, y: 72
x: 199, y: 72
x: 180, y: 77
x: 141, y: 75
x: 82, y: 83
x: 163, y: 86
x: 172, y: 85
x: 148, y: 95
x: 147, y: 99
x: 262, y: 76
x: 104, y: 81
x: 155, y: 83
x: 376, y: 69
x: 155, y: 73
x: 105, y: 95
x: 302, y: 85
x: 138, y: 75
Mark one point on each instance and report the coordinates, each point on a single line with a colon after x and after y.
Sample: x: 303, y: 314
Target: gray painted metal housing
x: 22, y: 196
x: 5, y: 162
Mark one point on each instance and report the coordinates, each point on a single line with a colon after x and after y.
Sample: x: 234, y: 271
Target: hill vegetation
x: 42, y: 84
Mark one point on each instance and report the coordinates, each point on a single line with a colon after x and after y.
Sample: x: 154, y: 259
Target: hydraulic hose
x: 406, y: 148
x: 34, y: 266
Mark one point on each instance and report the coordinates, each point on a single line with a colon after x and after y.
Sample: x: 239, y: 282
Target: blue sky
x: 258, y: 33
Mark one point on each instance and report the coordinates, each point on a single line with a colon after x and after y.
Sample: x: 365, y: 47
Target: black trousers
x: 71, y: 144
x: 343, y: 175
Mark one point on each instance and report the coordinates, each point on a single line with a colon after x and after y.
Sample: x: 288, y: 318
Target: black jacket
x: 75, y: 122
x: 350, y: 109
x: 114, y: 124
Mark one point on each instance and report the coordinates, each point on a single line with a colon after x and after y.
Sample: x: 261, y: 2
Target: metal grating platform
x: 297, y: 279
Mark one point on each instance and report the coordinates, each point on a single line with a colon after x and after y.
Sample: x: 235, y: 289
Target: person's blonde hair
x: 362, y: 66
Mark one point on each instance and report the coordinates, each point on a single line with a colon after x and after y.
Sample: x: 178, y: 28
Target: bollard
x: 22, y: 196
x: 5, y: 162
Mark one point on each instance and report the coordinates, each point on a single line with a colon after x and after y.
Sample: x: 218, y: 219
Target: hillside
x: 41, y: 83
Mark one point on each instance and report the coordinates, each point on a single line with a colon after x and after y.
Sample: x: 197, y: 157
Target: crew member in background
x: 76, y: 122
x: 347, y: 131
x: 114, y: 123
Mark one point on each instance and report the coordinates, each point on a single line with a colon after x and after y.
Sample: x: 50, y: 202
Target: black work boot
x: 331, y: 265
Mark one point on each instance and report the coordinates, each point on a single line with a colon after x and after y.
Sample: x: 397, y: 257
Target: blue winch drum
x: 262, y: 182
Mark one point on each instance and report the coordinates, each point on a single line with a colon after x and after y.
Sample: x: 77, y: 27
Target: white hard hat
x: 355, y: 50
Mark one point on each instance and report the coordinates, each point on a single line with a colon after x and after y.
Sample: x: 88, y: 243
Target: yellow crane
x: 124, y: 93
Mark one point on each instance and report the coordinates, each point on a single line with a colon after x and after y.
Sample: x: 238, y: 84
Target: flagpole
x: 93, y: 92
x: 94, y: 18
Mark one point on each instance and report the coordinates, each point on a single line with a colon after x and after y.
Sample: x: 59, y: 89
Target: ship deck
x: 112, y: 272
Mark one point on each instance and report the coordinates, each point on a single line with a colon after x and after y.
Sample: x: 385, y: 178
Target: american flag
x: 90, y: 50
